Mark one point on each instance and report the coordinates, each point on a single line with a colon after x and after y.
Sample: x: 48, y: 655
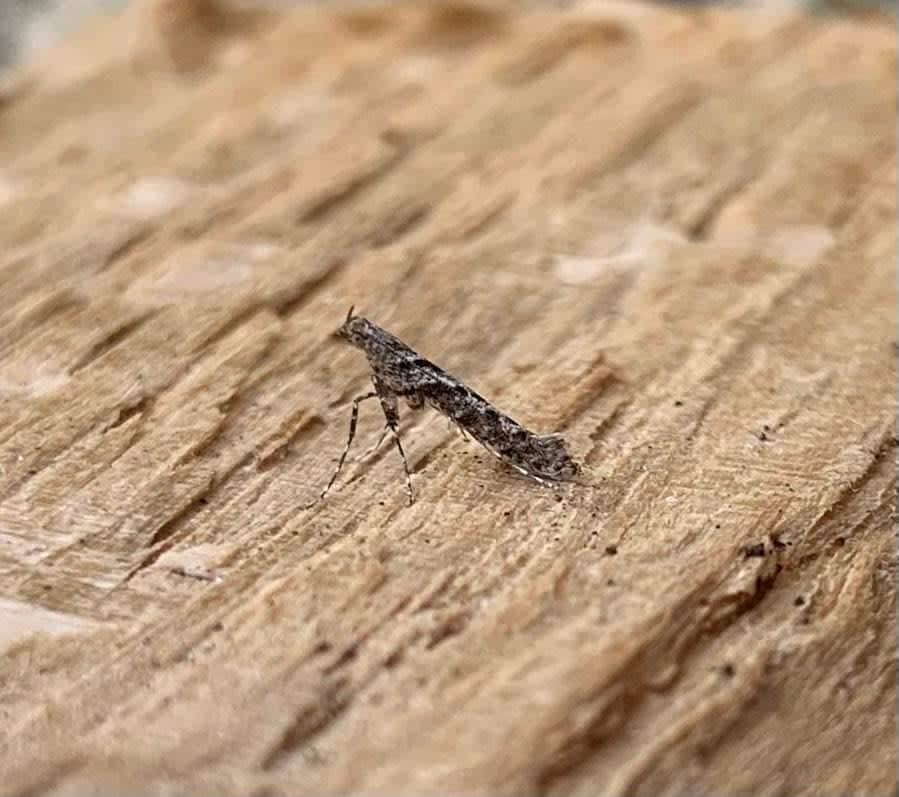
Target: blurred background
x: 29, y: 25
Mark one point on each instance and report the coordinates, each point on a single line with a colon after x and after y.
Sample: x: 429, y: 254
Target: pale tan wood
x: 669, y: 235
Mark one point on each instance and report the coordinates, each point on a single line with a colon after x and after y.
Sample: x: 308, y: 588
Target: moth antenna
x: 349, y: 315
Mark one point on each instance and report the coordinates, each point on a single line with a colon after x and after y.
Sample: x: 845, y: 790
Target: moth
x: 399, y: 372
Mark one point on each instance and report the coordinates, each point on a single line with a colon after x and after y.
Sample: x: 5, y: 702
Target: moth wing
x: 555, y: 452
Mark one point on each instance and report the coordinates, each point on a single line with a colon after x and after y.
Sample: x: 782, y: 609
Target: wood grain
x: 669, y: 235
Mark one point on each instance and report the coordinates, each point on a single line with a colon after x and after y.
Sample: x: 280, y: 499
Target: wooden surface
x: 668, y: 235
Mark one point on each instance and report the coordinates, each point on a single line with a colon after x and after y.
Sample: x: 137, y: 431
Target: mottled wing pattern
x: 542, y: 457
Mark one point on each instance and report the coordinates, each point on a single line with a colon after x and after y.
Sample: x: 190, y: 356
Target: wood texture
x: 669, y: 235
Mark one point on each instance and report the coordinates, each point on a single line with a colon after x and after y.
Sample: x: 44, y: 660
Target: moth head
x: 353, y: 329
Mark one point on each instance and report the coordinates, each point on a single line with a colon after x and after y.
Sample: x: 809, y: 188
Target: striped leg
x: 399, y: 445
x: 390, y: 406
x: 354, y: 419
x: 376, y: 446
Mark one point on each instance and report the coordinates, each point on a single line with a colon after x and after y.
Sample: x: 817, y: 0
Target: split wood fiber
x: 667, y: 234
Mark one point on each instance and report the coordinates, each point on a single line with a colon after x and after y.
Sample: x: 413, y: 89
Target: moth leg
x: 415, y: 401
x: 399, y: 445
x: 354, y: 419
x: 517, y: 466
x: 451, y: 425
x: 390, y: 406
x: 377, y: 445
